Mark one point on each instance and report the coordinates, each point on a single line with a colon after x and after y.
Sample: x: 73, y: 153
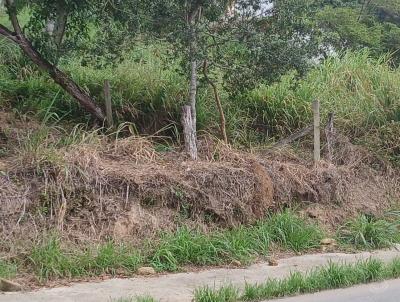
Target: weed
x: 227, y: 293
x: 293, y: 232
x: 369, y: 232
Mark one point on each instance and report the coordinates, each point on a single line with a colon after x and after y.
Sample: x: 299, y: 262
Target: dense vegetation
x: 268, y: 59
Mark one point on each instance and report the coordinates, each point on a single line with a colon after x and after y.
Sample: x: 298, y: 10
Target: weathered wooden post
x: 317, y: 131
x: 189, y: 132
x: 108, y: 104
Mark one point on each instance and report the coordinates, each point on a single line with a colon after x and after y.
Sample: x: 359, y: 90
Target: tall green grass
x: 149, y: 87
x: 360, y: 90
x: 49, y: 260
x: 368, y: 232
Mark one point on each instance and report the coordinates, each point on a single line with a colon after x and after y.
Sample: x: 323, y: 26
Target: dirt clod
x: 146, y: 271
x: 272, y: 262
x: 236, y: 263
x: 328, y: 241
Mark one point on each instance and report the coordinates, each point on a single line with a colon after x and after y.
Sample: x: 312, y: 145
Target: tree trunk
x: 56, y: 27
x: 60, y: 25
x: 57, y: 75
x: 62, y: 79
x: 193, y: 92
x: 189, y: 133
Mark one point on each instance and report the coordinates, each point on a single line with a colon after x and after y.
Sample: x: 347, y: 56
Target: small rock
x: 146, y: 271
x: 9, y: 286
x: 272, y: 262
x: 236, y: 263
x: 328, y: 241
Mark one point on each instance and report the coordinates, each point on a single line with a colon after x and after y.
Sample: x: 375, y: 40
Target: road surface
x: 180, y: 287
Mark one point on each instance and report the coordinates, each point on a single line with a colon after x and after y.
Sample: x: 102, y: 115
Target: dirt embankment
x: 125, y: 189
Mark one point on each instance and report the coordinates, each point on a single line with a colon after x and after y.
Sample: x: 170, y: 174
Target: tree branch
x: 5, y: 32
x: 57, y: 75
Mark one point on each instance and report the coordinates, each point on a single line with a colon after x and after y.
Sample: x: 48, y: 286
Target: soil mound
x: 125, y: 189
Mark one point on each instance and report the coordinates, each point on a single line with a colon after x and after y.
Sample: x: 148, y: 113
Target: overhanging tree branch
x: 57, y: 75
x: 5, y: 32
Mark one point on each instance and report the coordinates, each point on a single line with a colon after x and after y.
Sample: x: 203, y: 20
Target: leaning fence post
x: 317, y: 132
x: 108, y: 105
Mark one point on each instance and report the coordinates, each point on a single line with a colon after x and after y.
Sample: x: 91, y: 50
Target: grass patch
x: 50, y: 261
x: 227, y: 294
x: 332, y: 276
x: 294, y: 233
x: 7, y: 269
x: 367, y: 232
x: 286, y: 229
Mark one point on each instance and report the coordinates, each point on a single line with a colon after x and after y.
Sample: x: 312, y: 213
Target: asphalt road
x: 388, y: 291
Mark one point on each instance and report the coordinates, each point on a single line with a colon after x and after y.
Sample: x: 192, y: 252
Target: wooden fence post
x: 108, y: 104
x: 317, y: 131
x: 189, y: 133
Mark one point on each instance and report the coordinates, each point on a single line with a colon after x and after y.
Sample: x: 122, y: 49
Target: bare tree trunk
x: 193, y: 92
x: 191, y: 132
x: 222, y: 125
x: 190, y: 138
x: 57, y: 75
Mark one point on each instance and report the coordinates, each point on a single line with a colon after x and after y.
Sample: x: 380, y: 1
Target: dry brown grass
x: 124, y: 189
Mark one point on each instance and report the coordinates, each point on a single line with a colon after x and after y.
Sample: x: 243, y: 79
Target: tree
x: 185, y: 23
x: 355, y: 24
x: 270, y: 38
x: 17, y: 36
